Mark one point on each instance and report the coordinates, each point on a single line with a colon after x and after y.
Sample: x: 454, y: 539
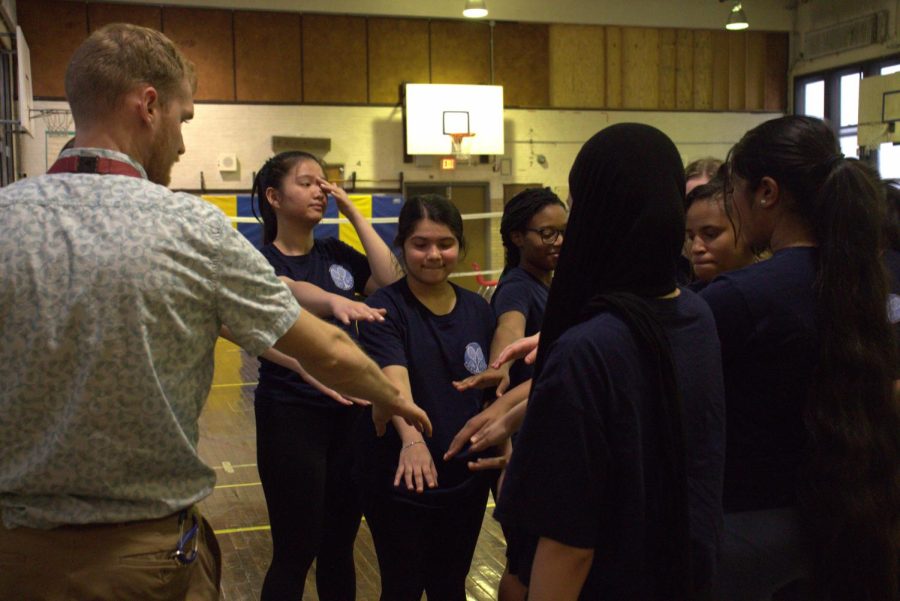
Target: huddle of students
x: 626, y: 456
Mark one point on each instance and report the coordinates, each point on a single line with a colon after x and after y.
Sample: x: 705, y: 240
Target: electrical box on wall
x: 227, y: 162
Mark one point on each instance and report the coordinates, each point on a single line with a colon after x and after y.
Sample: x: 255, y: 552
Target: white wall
x: 369, y: 140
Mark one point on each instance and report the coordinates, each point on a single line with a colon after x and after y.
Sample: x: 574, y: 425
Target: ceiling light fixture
x: 737, y: 20
x: 475, y: 9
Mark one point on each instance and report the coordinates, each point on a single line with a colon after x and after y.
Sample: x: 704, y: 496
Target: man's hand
x: 404, y: 408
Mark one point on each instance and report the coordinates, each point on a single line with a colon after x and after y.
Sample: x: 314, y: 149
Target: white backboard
x: 26, y: 96
x: 432, y: 109
x: 879, y: 110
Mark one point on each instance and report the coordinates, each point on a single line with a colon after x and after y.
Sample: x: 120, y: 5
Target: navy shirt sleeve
x: 512, y: 296
x: 385, y: 341
x: 555, y: 482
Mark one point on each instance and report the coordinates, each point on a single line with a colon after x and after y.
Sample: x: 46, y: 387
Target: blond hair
x: 706, y: 167
x: 115, y: 59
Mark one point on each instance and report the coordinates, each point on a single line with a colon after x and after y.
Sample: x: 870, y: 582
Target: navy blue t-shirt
x: 436, y: 350
x: 586, y: 468
x: 333, y: 266
x: 765, y: 316
x: 520, y: 291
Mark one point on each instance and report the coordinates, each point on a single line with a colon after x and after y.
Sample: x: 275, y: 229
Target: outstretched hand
x: 472, y: 430
x: 486, y: 379
x: 404, y: 408
x: 523, y: 347
x: 329, y: 392
x: 346, y: 310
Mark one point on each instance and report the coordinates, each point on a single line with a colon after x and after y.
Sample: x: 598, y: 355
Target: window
x: 834, y: 96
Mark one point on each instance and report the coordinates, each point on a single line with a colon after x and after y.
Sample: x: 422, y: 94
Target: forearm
x: 558, y: 571
x: 331, y: 357
x: 311, y: 297
x: 513, y: 418
x: 514, y: 397
x: 407, y: 433
x: 385, y: 269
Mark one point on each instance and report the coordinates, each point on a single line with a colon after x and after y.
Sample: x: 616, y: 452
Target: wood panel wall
x: 267, y: 51
x: 398, y: 54
x: 210, y: 47
x: 460, y: 52
x: 100, y: 14
x: 53, y: 30
x: 248, y: 56
x: 335, y: 69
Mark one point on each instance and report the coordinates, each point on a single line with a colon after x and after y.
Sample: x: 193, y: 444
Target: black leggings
x: 425, y: 548
x: 305, y: 457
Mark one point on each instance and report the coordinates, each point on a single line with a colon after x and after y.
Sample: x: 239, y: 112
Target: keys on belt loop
x: 187, y: 538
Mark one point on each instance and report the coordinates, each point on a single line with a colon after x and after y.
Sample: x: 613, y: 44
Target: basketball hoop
x: 57, y: 122
x: 456, y: 144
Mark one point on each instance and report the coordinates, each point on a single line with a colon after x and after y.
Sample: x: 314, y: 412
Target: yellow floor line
x: 235, y: 385
x: 247, y: 529
x: 238, y: 485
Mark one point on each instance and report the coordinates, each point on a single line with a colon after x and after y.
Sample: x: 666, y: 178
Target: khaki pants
x: 115, y: 562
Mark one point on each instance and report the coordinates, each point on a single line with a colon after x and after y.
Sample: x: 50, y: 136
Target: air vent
x: 857, y: 33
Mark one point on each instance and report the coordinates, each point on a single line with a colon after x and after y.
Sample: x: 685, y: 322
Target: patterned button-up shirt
x: 112, y: 293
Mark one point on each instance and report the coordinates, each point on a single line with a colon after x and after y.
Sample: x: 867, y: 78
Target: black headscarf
x: 625, y: 233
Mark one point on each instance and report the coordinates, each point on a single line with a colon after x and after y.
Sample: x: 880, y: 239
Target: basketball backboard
x: 436, y: 112
x: 26, y: 97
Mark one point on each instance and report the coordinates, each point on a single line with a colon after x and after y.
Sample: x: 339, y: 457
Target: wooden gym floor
x: 237, y: 508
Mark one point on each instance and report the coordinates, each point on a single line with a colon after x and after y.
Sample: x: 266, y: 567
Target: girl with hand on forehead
x: 305, y: 437
x: 425, y: 512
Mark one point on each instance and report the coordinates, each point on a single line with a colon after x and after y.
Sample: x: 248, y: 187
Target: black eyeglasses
x: 548, y: 235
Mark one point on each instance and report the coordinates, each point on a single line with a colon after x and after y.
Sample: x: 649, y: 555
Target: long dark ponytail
x: 849, y: 491
x: 270, y: 175
x: 516, y: 215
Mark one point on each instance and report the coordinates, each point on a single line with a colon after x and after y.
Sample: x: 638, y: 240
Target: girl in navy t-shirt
x: 812, y: 475
x: 532, y: 229
x: 713, y: 242
x: 425, y: 513
x: 615, y: 480
x: 304, y: 437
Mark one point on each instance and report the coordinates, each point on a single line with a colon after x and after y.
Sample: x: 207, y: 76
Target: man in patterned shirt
x: 113, y: 290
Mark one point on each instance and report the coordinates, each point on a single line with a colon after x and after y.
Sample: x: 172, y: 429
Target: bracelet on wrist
x: 411, y: 444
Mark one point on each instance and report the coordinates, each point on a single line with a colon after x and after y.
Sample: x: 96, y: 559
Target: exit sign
x: 448, y: 163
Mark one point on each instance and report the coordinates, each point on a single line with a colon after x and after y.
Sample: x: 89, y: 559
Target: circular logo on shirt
x: 474, y: 359
x: 894, y: 307
x: 342, y: 278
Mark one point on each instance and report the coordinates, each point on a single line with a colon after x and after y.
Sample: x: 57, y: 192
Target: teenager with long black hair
x: 812, y: 477
x: 425, y: 512
x: 304, y: 438
x: 617, y: 469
